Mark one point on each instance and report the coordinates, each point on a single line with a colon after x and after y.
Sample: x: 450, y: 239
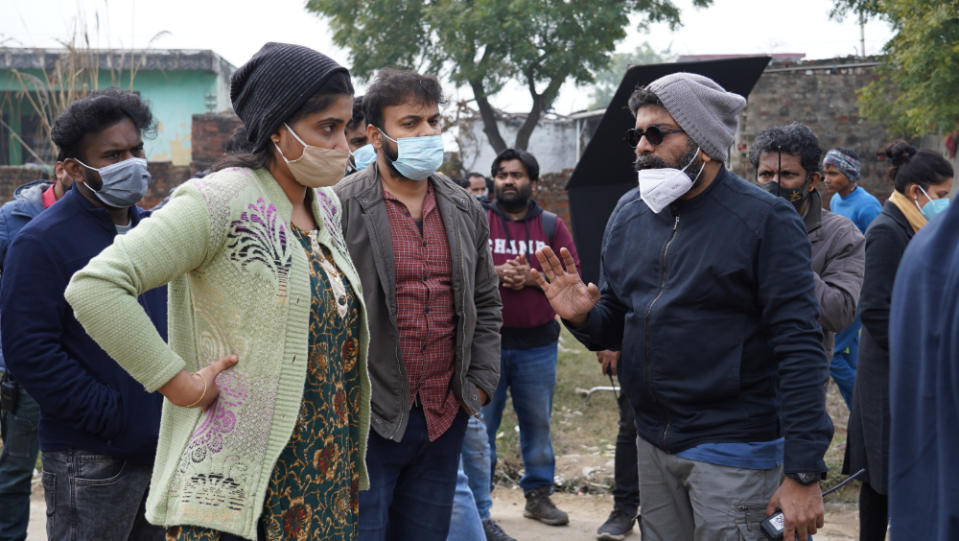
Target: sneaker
x: 616, y: 526
x: 540, y: 507
x: 494, y: 532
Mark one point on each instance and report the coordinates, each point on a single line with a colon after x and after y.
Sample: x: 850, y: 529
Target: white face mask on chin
x: 658, y: 188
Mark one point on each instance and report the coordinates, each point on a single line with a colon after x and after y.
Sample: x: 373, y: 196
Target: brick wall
x: 551, y: 194
x: 164, y: 177
x: 823, y: 98
x: 209, y: 135
x: 12, y: 176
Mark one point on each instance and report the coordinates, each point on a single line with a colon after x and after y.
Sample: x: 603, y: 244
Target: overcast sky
x: 235, y: 29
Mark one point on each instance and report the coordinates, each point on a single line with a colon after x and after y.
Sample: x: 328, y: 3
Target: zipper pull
x: 676, y: 223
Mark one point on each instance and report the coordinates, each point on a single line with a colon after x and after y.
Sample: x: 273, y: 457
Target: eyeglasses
x: 653, y: 134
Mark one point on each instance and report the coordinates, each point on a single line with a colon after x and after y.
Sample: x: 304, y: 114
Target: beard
x: 514, y: 201
x: 392, y: 154
x: 688, y: 162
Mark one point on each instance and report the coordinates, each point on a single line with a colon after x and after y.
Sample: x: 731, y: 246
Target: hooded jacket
x: 27, y: 202
x: 528, y: 319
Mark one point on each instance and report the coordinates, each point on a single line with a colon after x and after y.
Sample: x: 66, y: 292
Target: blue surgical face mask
x: 417, y: 157
x: 124, y: 183
x: 363, y: 157
x: 933, y: 206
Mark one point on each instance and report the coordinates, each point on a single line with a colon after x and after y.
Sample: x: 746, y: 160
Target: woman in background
x: 923, y: 180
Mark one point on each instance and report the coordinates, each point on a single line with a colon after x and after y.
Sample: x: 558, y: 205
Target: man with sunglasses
x: 786, y: 161
x: 707, y: 290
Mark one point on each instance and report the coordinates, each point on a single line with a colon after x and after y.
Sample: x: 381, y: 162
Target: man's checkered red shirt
x: 424, y: 309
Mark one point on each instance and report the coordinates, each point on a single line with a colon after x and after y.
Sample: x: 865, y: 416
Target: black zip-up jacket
x: 713, y: 305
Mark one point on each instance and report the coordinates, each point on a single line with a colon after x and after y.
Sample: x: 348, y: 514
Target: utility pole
x: 862, y: 31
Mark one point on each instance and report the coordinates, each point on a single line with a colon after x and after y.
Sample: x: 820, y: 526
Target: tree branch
x: 488, y: 115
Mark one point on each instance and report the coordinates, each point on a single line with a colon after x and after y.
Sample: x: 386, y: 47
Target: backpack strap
x: 549, y: 225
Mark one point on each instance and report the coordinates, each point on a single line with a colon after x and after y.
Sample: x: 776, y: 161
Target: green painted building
x: 35, y: 84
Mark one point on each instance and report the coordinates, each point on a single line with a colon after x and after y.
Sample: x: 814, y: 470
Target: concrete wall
x: 553, y: 142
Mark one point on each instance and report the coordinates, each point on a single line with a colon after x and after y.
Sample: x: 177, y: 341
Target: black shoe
x: 540, y: 507
x: 494, y: 532
x: 616, y: 526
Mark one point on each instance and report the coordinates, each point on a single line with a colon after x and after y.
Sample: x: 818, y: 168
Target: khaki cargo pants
x: 688, y: 500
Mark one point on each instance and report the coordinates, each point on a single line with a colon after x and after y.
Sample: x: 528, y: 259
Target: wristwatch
x: 805, y: 478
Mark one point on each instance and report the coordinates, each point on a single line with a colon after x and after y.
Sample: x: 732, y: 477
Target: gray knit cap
x: 703, y: 109
x: 274, y: 84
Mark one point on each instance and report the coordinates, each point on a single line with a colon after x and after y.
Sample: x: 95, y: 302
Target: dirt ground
x: 588, y: 511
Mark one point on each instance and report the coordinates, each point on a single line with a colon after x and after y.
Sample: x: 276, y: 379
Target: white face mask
x: 658, y: 188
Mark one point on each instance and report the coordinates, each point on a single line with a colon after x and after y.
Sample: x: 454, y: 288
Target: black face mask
x: 796, y: 196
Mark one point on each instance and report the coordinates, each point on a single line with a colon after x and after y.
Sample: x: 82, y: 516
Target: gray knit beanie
x: 702, y: 108
x: 274, y: 84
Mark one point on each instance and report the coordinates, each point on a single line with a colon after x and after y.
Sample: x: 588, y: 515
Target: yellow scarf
x: 909, y: 210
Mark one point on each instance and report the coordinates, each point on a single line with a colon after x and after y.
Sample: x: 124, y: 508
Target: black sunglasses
x: 653, y: 134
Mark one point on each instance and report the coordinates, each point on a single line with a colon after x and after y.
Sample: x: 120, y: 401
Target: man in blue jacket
x: 707, y: 289
x: 19, y: 413
x: 98, y: 426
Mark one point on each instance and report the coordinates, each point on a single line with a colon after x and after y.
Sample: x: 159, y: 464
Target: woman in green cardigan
x: 265, y: 422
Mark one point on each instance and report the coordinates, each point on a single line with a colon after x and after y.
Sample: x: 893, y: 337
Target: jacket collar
x: 533, y: 211
x: 371, y: 192
x: 76, y: 199
x: 813, y: 217
x: 28, y: 198
x: 688, y: 204
x: 890, y: 209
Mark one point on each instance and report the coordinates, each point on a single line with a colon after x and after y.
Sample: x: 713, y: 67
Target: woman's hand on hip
x: 197, y: 390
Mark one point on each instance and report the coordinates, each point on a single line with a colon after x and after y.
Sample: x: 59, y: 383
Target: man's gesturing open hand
x: 564, y: 289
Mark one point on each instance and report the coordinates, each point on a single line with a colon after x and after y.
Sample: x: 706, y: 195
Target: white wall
x: 553, y: 143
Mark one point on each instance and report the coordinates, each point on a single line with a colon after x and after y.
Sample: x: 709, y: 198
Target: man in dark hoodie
x: 98, y: 426
x: 519, y: 227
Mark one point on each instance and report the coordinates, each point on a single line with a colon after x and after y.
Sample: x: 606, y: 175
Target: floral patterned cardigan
x: 239, y: 283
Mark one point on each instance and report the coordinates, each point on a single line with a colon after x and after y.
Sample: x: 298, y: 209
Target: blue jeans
x: 411, y: 482
x: 17, y: 461
x: 843, y: 365
x: 530, y: 374
x: 91, y: 496
x: 465, y: 523
x: 476, y: 464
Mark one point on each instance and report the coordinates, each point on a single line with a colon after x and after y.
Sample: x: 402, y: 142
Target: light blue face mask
x: 363, y: 157
x: 417, y: 157
x: 124, y: 183
x: 933, y: 206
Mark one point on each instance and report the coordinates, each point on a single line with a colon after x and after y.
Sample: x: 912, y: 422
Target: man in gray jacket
x: 786, y: 160
x: 420, y: 243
